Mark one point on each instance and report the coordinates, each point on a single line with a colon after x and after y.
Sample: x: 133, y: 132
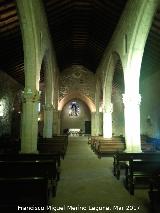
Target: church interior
x: 79, y: 105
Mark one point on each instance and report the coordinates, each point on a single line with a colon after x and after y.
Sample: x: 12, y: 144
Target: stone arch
x: 133, y: 60
x: 98, y: 94
x: 113, y: 60
x: 116, y: 99
x: 149, y: 73
x: 107, y: 93
x: 49, y: 94
x: 80, y: 96
x: 132, y: 67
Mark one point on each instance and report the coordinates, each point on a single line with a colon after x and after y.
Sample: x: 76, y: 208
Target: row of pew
x: 140, y: 169
x: 29, y: 179
x: 103, y: 147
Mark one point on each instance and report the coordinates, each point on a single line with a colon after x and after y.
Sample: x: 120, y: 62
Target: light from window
x: 74, y: 109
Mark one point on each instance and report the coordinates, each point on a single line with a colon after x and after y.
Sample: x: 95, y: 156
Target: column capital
x: 108, y: 108
x: 29, y: 95
x: 134, y: 99
x: 48, y: 107
x: 55, y: 110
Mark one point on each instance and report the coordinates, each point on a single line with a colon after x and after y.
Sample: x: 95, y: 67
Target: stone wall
x: 77, y: 79
x: 10, y: 101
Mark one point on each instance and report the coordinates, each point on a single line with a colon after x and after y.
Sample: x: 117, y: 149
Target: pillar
x: 29, y: 129
x: 93, y: 133
x: 107, y: 121
x: 97, y: 123
x: 100, y: 123
x: 48, y: 120
x: 132, y: 122
x: 56, y: 122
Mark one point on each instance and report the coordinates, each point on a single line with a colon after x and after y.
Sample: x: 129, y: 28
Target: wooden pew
x: 154, y: 193
x: 18, y: 192
x: 33, y: 157
x: 56, y: 138
x: 52, y: 148
x: 94, y: 140
x: 103, y: 147
x: 121, y: 157
x: 140, y: 170
x: 29, y: 168
x: 54, y: 145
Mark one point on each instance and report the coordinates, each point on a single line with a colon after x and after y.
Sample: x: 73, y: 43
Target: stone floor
x: 87, y: 184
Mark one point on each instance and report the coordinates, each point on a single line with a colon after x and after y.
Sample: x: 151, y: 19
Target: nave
x: 87, y: 182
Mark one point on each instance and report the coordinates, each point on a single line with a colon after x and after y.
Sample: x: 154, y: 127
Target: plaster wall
x: 150, y: 104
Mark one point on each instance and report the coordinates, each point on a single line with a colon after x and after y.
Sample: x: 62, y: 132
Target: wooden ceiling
x: 80, y: 30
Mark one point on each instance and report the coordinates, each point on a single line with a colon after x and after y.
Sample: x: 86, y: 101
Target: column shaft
x: 107, y: 121
x: 56, y: 122
x: 48, y: 121
x: 132, y: 122
x: 93, y: 124
x: 29, y: 122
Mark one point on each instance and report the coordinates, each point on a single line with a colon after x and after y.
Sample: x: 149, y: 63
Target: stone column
x: 93, y: 124
x: 48, y: 121
x: 100, y: 123
x: 97, y: 123
x: 56, y: 122
x: 132, y: 122
x: 29, y: 121
x: 60, y: 131
x: 107, y: 121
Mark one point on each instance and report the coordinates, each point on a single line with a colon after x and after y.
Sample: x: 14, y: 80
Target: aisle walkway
x: 88, y: 182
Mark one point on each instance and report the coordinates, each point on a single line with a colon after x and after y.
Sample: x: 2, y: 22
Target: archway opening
x: 149, y: 84
x: 116, y: 98
x: 76, y: 118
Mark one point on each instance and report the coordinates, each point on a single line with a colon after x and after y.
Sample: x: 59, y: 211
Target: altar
x: 75, y: 132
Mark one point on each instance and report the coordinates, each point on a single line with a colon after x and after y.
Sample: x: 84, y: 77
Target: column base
x: 133, y: 150
x: 29, y: 152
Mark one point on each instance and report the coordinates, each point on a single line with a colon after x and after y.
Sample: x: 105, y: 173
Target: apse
x: 76, y: 115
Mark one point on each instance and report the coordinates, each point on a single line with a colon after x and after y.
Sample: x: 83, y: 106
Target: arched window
x: 74, y: 109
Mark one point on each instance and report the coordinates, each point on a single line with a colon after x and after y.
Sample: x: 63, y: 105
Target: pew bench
x: 55, y: 145
x: 140, y: 170
x: 120, y: 158
x: 17, y: 192
x: 94, y: 140
x: 104, y: 148
x: 38, y: 168
x: 52, y: 148
x: 154, y: 193
x: 33, y: 157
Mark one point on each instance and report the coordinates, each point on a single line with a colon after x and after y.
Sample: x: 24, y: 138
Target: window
x: 74, y: 109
